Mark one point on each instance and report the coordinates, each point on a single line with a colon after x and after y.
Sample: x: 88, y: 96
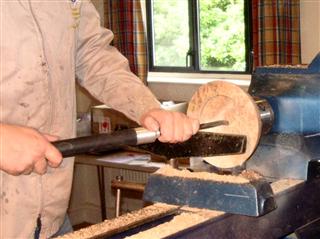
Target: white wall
x: 310, y: 29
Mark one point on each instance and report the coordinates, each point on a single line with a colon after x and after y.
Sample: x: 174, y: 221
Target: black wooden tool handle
x: 96, y: 143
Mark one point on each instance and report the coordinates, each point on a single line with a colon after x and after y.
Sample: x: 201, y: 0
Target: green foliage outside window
x: 221, y: 32
x: 222, y: 37
x: 171, y: 32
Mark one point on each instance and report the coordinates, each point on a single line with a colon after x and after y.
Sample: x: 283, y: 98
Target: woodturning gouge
x: 138, y: 136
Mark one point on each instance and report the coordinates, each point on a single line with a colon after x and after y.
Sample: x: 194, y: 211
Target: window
x: 198, y: 35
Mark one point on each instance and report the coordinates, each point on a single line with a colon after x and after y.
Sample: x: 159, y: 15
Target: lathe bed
x: 297, y: 201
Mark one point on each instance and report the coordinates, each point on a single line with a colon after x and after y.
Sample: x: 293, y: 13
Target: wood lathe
x: 269, y: 191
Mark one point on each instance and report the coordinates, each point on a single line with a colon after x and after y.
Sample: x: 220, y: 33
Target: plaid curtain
x: 276, y: 32
x: 124, y: 18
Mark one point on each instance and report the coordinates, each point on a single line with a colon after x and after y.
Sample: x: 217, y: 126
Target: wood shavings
x: 168, y: 171
x: 251, y: 175
x: 177, y: 223
x: 284, y: 184
x: 202, y: 211
x: 287, y: 66
x: 124, y: 222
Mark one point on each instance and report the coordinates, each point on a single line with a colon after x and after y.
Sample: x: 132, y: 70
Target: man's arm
x: 25, y: 150
x: 105, y: 73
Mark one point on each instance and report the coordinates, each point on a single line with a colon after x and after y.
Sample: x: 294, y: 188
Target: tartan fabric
x: 124, y: 18
x: 276, y: 32
x: 141, y: 53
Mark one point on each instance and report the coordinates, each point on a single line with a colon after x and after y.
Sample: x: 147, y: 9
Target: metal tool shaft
x: 213, y: 124
x: 114, y: 140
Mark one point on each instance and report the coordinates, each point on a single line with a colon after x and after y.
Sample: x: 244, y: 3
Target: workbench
x: 110, y: 161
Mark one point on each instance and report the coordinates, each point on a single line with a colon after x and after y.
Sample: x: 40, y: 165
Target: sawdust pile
x: 284, y: 184
x: 168, y: 171
x: 124, y: 221
x: 251, y: 175
x: 178, y: 223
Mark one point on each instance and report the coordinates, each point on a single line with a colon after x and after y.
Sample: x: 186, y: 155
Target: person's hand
x: 174, y: 126
x: 25, y: 150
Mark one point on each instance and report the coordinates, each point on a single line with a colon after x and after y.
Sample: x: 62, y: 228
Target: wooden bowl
x: 225, y: 101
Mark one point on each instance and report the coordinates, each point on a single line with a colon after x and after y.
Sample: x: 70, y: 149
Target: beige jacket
x: 44, y: 44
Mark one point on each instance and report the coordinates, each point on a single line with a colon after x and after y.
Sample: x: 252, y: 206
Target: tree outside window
x: 198, y: 35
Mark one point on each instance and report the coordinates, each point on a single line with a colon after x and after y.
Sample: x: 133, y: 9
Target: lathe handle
x: 105, y: 142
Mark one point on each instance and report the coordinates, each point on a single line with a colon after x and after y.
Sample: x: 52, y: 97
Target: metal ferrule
x: 145, y: 136
x: 266, y: 114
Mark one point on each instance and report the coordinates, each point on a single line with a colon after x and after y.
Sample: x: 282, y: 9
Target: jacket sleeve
x: 104, y: 72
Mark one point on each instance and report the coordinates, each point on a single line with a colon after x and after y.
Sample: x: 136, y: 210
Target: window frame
x: 194, y: 42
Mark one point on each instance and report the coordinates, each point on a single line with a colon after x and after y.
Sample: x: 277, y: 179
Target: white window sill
x: 181, y: 86
x: 199, y: 79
